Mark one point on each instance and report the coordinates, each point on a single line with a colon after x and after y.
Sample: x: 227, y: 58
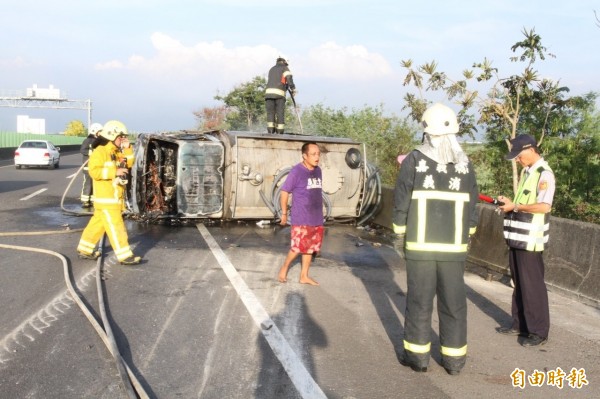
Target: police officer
x: 87, y: 192
x: 109, y: 164
x: 280, y: 79
x: 434, y: 215
x: 526, y: 227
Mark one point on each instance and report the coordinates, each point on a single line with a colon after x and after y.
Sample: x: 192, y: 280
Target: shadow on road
x: 298, y: 328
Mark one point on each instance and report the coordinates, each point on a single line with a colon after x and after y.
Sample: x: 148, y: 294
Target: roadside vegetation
x: 76, y: 128
x: 489, y: 104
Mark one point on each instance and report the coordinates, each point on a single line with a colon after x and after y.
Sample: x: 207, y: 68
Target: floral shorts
x: 306, y: 239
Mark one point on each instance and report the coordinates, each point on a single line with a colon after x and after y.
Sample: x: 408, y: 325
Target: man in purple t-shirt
x: 304, y: 184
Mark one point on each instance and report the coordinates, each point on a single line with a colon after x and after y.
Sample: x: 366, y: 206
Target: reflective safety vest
x: 524, y: 230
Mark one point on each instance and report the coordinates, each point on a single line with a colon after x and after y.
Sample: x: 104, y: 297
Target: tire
x: 51, y: 166
x: 18, y: 166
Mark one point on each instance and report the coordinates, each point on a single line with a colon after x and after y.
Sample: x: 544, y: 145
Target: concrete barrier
x: 7, y: 153
x: 572, y: 259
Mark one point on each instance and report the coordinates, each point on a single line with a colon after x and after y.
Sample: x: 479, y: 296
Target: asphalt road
x: 203, y: 316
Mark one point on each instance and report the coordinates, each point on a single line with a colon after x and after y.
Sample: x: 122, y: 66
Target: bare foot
x: 282, y: 279
x: 308, y: 280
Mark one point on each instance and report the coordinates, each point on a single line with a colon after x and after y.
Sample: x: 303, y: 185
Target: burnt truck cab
x: 231, y: 175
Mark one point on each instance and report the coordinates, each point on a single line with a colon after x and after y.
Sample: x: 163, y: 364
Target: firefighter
x: 109, y: 164
x: 87, y: 192
x: 280, y: 79
x: 434, y: 215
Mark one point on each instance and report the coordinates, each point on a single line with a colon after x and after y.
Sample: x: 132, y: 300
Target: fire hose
x: 62, y: 200
x: 296, y: 110
x: 131, y: 384
x: 108, y: 340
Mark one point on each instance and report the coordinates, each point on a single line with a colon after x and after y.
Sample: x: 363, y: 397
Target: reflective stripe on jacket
x: 435, y: 207
x: 523, y: 230
x: 279, y: 79
x: 108, y: 194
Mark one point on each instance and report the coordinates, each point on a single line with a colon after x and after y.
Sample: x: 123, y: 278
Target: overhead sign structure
x: 39, y: 97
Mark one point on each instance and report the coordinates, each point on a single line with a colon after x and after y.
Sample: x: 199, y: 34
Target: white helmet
x: 112, y: 130
x: 439, y: 119
x: 95, y: 128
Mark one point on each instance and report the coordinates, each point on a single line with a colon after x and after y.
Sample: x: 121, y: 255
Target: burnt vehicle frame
x: 191, y: 176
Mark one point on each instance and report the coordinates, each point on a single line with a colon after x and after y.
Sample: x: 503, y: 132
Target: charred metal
x: 221, y: 175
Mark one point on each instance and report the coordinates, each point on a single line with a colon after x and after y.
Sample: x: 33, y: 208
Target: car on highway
x: 37, y: 153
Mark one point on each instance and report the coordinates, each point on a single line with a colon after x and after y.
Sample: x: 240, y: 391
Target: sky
x: 152, y: 63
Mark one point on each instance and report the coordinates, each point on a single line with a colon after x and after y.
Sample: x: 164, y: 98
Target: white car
x: 37, y: 153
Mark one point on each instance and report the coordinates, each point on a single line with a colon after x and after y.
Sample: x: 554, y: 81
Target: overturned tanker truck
x: 228, y: 175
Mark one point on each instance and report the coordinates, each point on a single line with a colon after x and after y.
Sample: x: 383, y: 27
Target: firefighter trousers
x: 87, y: 188
x: 275, y: 114
x: 109, y: 221
x: 427, y: 279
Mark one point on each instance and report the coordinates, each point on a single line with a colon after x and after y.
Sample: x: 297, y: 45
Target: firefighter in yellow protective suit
x: 109, y: 164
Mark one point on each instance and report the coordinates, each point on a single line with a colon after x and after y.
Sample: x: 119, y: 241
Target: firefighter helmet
x: 95, y: 128
x: 439, y: 119
x: 112, y: 130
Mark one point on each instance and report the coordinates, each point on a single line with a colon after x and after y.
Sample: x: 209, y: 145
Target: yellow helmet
x: 112, y: 130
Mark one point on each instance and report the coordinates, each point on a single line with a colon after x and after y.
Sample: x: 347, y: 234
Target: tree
x: 244, y: 109
x: 578, y: 173
x: 502, y: 106
x: 245, y: 104
x: 516, y: 104
x: 211, y: 118
x: 76, y: 128
x: 385, y: 136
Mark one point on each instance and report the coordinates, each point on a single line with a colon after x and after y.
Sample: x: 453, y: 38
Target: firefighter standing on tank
x: 279, y: 80
x: 434, y: 215
x: 109, y: 164
x: 87, y: 192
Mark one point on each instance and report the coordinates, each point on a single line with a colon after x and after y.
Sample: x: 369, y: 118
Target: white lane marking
x: 301, y: 378
x: 39, y: 320
x: 34, y: 194
x: 70, y: 176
